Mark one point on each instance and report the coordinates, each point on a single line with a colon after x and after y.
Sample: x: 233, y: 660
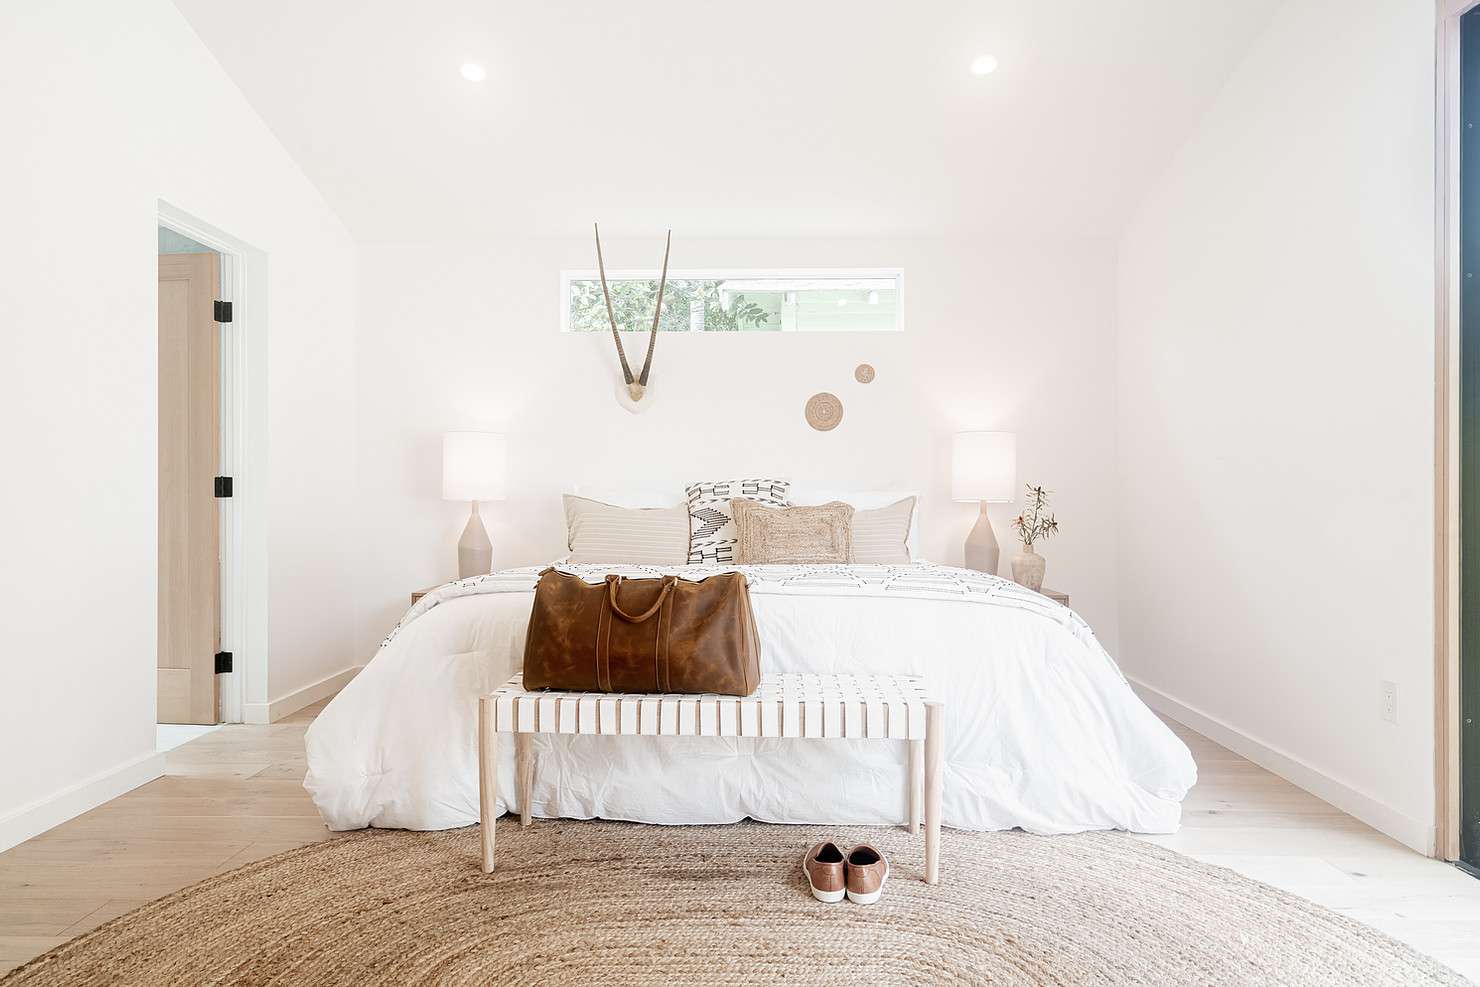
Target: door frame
x: 1447, y: 429
x: 243, y: 521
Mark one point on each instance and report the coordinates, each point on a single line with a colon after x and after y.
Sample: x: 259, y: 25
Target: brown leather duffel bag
x: 643, y: 635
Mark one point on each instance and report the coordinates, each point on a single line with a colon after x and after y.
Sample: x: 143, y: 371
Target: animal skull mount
x: 630, y: 396
x: 632, y: 392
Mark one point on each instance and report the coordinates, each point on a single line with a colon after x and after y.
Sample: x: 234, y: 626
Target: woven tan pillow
x: 792, y: 535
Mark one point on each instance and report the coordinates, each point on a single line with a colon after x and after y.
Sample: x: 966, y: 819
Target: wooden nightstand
x: 418, y: 594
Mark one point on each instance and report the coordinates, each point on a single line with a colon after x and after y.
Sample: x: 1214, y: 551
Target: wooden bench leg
x: 524, y: 766
x: 487, y: 778
x: 917, y: 783
x: 934, y: 763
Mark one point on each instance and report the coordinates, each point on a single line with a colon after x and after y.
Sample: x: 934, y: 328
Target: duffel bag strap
x: 614, y: 582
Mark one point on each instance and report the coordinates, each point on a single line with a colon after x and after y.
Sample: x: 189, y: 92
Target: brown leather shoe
x: 865, y: 874
x: 823, y: 866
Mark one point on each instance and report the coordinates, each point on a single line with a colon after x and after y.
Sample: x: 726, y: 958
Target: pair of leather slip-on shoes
x: 858, y: 875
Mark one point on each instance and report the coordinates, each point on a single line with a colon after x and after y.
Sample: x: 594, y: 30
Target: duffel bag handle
x: 614, y: 581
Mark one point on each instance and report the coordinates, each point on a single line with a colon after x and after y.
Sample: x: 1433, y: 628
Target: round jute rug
x: 617, y: 903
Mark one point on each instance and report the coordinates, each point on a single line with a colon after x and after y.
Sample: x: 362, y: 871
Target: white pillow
x: 870, y: 500
x: 598, y: 533
x: 879, y: 537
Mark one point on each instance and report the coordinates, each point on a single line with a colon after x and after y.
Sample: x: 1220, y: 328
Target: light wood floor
x: 236, y: 795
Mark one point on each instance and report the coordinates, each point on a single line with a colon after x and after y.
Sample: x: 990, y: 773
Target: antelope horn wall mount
x: 636, y: 387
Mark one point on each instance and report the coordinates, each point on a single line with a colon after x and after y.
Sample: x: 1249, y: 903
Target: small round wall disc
x: 864, y: 374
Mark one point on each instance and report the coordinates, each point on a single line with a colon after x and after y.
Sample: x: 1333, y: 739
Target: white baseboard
x: 53, y: 810
x: 276, y: 709
x: 1412, y: 833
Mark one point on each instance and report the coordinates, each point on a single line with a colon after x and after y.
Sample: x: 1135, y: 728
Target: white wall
x: 108, y: 108
x: 1274, y: 397
x: 1276, y: 360
x: 1013, y: 336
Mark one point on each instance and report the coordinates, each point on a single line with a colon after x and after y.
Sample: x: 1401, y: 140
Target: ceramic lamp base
x: 474, y: 550
x: 982, y: 551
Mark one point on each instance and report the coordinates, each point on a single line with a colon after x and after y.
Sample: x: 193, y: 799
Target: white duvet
x: 1042, y: 731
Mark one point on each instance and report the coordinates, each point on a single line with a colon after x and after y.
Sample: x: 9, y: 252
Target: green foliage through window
x: 744, y: 303
x: 683, y: 302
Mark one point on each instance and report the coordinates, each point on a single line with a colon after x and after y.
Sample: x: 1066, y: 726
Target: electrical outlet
x: 1390, y: 701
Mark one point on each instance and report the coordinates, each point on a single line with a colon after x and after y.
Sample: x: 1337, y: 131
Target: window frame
x: 738, y: 273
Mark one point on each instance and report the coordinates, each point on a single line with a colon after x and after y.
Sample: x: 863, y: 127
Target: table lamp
x: 984, y: 469
x: 473, y: 470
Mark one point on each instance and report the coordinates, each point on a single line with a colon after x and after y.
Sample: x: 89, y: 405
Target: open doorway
x: 194, y: 312
x: 236, y: 644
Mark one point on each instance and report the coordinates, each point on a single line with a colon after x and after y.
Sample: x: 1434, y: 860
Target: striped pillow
x: 881, y: 537
x: 599, y: 533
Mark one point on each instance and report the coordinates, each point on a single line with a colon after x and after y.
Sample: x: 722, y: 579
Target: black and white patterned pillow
x: 712, y: 531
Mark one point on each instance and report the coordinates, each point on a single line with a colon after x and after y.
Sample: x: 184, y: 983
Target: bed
x: 1043, y: 733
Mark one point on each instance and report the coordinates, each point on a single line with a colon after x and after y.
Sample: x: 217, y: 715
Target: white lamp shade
x: 984, y: 467
x: 473, y: 466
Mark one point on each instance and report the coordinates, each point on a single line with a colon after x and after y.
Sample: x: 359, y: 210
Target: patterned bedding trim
x: 917, y: 580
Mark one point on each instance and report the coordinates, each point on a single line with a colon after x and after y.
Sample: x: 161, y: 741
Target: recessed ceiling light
x: 983, y: 65
x: 473, y: 72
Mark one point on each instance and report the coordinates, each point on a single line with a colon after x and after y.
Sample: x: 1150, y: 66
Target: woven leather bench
x: 857, y: 707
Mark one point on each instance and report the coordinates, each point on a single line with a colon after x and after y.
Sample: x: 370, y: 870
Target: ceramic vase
x: 1027, y: 568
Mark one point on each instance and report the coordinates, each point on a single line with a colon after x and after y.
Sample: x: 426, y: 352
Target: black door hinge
x: 223, y: 311
x: 223, y: 486
x: 223, y: 662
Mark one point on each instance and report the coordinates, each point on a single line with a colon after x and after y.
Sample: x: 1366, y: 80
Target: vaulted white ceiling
x: 762, y: 118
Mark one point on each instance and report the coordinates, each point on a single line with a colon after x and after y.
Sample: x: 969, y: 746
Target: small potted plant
x: 1033, y: 525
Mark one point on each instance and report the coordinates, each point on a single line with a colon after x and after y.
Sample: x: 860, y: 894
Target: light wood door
x: 189, y: 444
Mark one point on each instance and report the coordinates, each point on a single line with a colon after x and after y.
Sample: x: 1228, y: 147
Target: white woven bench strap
x: 882, y: 707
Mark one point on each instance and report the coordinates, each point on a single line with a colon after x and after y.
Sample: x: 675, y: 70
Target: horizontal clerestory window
x: 842, y: 300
